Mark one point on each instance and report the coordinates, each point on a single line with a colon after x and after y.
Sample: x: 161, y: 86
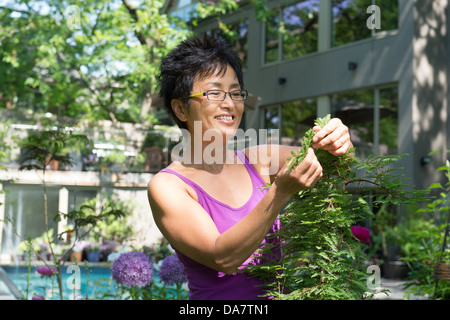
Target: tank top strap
x: 186, y: 180
x: 256, y: 179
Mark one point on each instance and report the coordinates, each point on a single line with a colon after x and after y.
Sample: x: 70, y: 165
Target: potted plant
x: 428, y: 254
x: 93, y: 252
x: 76, y: 254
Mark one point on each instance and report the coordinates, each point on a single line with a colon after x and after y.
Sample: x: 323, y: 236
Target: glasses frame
x: 206, y: 94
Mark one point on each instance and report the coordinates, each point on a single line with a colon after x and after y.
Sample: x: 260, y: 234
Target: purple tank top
x: 208, y: 284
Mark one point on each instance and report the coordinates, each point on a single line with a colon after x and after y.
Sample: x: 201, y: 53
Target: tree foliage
x: 89, y: 59
x: 321, y: 258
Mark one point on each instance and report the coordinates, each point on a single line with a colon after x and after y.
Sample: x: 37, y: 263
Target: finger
x: 334, y: 139
x: 318, y: 176
x: 342, y: 150
x: 312, y: 170
x: 315, y: 174
x: 326, y: 130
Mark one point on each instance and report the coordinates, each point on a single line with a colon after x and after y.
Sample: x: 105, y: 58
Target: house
x: 380, y: 66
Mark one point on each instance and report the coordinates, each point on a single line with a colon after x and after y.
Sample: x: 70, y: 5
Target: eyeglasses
x: 220, y: 95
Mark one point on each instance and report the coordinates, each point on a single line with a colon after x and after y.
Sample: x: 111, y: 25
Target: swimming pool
x: 94, y: 282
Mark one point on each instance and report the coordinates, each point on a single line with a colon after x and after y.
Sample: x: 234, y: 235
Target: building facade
x: 380, y: 66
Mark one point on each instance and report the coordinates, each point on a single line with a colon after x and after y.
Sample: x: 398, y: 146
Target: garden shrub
x: 321, y: 257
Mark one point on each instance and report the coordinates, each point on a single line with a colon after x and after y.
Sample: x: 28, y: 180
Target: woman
x: 215, y: 213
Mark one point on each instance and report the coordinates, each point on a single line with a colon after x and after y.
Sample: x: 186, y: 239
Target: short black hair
x: 201, y: 55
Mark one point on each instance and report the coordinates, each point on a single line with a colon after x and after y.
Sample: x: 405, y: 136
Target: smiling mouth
x: 226, y: 118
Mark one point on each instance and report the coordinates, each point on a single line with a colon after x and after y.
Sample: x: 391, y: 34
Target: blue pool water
x: 95, y: 282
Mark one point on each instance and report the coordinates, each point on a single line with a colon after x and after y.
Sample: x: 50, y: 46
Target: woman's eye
x: 214, y: 94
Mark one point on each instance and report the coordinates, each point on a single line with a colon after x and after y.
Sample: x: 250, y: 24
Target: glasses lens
x: 218, y: 95
x: 215, y: 95
x: 238, y: 95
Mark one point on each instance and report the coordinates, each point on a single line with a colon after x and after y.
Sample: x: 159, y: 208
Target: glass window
x: 388, y: 144
x: 25, y: 206
x: 300, y: 29
x: 272, y: 38
x: 355, y: 109
x: 350, y: 19
x: 78, y: 197
x: 389, y: 14
x: 293, y: 119
x: 292, y: 31
x: 236, y: 34
x: 372, y: 117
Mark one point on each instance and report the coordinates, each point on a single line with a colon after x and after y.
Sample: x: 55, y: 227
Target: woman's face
x: 224, y: 116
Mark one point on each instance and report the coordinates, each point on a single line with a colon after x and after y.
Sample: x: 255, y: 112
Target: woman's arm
x: 334, y: 137
x: 189, y: 228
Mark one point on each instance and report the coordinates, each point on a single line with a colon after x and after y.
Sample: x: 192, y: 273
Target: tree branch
x: 133, y: 12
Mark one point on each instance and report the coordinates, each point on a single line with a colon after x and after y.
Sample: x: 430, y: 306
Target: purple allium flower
x: 46, y: 271
x: 37, y: 298
x: 361, y: 233
x: 172, y: 271
x: 132, y: 269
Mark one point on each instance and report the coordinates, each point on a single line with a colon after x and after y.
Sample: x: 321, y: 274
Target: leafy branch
x: 320, y: 256
x: 40, y: 150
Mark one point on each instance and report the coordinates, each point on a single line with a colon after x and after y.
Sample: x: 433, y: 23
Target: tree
x: 322, y: 258
x: 95, y: 59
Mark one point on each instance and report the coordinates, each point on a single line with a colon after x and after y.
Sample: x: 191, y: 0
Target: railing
x: 128, y: 149
x: 11, y: 286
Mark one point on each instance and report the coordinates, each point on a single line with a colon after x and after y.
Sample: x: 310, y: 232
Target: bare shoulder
x: 161, y: 180
x: 164, y: 184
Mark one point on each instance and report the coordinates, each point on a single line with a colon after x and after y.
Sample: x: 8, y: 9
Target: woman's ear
x: 179, y: 109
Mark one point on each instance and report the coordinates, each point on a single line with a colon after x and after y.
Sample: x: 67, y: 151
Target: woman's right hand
x: 302, y: 177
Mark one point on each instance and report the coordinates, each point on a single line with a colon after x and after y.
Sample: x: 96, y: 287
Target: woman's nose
x: 228, y: 102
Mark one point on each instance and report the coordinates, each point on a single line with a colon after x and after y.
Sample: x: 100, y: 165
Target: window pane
x: 78, y: 197
x: 271, y: 117
x: 389, y: 14
x: 25, y: 206
x: 296, y: 26
x: 272, y: 37
x: 300, y: 29
x: 236, y: 34
x: 388, y: 121
x: 295, y: 119
x: 350, y: 19
x: 355, y: 109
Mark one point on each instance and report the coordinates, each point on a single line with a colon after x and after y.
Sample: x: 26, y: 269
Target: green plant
x: 102, y: 219
x: 321, y: 259
x: 40, y: 149
x: 427, y: 245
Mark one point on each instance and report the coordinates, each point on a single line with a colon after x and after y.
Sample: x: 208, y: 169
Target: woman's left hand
x: 334, y: 137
